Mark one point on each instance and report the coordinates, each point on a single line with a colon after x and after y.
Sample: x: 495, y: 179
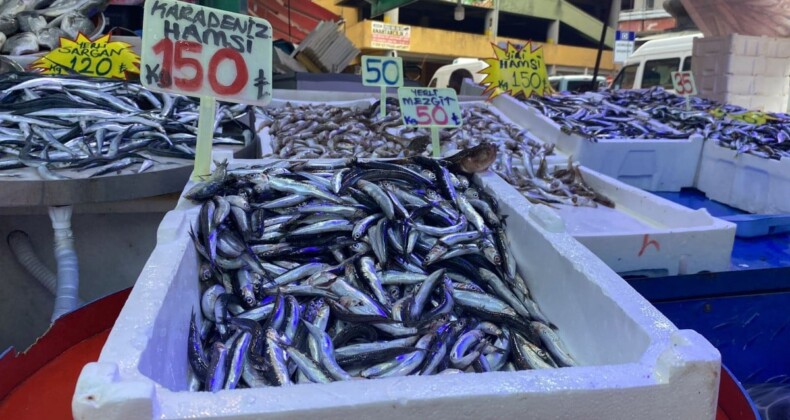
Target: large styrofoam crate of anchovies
x: 745, y: 181
x: 650, y: 164
x: 646, y: 235
x: 633, y: 362
x: 506, y: 112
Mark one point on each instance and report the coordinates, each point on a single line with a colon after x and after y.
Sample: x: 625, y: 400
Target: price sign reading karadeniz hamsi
x: 200, y: 51
x: 429, y: 107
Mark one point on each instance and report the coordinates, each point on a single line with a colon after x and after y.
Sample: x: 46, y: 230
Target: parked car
x: 453, y: 75
x: 576, y: 82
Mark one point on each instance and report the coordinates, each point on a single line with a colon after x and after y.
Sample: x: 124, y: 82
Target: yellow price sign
x: 99, y: 58
x: 516, y: 70
x: 751, y: 117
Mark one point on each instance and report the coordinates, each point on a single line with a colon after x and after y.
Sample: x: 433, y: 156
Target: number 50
x: 382, y: 71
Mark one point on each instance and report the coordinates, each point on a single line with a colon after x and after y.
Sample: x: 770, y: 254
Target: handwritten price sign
x: 99, y: 58
x: 683, y: 82
x: 516, y: 71
x: 429, y: 107
x: 382, y: 71
x: 199, y: 51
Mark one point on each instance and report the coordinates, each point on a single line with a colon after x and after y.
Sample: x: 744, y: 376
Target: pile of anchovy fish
x: 542, y: 186
x: 769, y: 140
x: 103, y: 126
x: 330, y: 131
x: 634, y: 114
x: 591, y: 117
x: 321, y: 272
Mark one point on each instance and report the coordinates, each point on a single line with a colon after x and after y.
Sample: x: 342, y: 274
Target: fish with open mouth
x: 20, y: 44
x: 49, y: 38
x: 74, y: 23
x: 31, y: 22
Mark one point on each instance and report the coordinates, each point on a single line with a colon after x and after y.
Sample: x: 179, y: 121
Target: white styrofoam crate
x: 747, y: 182
x: 646, y: 234
x: 634, y: 362
x: 649, y: 164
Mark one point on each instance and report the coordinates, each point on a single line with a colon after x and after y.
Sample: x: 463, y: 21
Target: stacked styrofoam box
x: 634, y: 362
x: 748, y: 71
x: 748, y: 182
x: 647, y: 235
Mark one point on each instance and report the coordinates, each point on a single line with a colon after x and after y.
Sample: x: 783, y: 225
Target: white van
x: 453, y: 75
x: 653, y: 63
x: 574, y: 83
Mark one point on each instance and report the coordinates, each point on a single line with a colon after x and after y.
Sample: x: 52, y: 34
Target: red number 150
x: 177, y: 59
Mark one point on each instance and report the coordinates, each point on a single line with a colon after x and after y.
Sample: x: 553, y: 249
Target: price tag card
x: 100, y: 58
x: 200, y: 51
x: 382, y: 71
x: 425, y: 107
x: 683, y: 83
x: 516, y: 71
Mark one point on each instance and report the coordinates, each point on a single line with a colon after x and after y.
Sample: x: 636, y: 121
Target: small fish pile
x: 769, y: 140
x: 320, y: 272
x: 55, y: 123
x: 562, y: 186
x: 596, y: 119
x: 28, y: 26
x: 657, y: 113
x: 329, y: 131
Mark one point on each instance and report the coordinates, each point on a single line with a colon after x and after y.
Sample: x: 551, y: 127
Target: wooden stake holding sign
x: 384, y: 72
x: 434, y: 108
x: 206, y: 53
x: 683, y: 83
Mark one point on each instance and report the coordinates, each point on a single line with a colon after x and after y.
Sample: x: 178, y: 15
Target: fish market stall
x: 610, y: 217
x: 744, y: 160
x: 610, y: 139
x: 619, y: 355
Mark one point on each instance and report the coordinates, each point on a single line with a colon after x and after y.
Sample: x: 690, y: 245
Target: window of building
x: 627, y: 5
x: 659, y: 72
x: 626, y: 78
x: 650, y: 4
